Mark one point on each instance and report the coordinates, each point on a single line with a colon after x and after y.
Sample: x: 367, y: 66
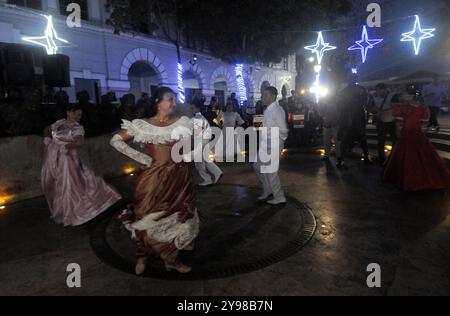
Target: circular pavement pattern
x: 237, y: 235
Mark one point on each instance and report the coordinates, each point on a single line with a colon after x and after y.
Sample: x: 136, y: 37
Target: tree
x: 233, y: 30
x: 147, y: 16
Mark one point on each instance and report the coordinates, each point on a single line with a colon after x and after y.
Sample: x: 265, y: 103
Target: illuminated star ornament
x: 365, y: 44
x: 50, y: 40
x: 320, y: 48
x: 417, y: 35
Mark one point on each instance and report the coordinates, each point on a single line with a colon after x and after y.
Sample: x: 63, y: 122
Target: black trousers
x: 434, y: 111
x: 349, y: 136
x: 383, y: 129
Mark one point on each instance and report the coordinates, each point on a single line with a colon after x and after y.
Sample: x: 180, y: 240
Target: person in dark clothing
x: 381, y: 106
x: 434, y: 94
x: 22, y: 113
x: 62, y: 104
x: 108, y: 112
x: 259, y: 108
x: 89, y: 119
x: 329, y: 112
x: 235, y: 102
x: 199, y: 99
x: 52, y: 110
x: 126, y: 110
x: 292, y: 101
x: 353, y: 101
x: 12, y: 110
x: 142, y: 106
x: 209, y: 112
x: 34, y: 113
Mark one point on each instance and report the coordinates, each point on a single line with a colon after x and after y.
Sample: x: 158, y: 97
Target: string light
x: 365, y: 44
x: 320, y: 48
x: 240, y: 82
x: 49, y: 40
x: 417, y: 35
x: 181, y: 95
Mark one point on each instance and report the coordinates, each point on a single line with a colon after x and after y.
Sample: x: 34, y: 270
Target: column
x: 94, y: 10
x: 53, y: 6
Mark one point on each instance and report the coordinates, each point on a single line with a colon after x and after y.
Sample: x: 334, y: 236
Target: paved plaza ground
x: 249, y: 248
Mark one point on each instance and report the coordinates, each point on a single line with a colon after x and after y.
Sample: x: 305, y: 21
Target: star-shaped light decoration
x: 417, y: 35
x: 49, y: 40
x: 320, y: 48
x: 365, y: 44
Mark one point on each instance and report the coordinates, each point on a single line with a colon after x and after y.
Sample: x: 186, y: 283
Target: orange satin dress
x: 162, y: 217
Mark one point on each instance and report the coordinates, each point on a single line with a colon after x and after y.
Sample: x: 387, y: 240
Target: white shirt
x: 275, y: 116
x: 201, y: 125
x: 230, y: 119
x: 384, y: 105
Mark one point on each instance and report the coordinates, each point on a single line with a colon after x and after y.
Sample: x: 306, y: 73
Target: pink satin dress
x: 75, y: 195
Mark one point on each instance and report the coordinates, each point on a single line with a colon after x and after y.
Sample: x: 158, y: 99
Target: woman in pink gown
x: 75, y: 195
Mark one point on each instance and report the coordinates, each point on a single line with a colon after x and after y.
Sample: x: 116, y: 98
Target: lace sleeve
x: 183, y: 130
x: 133, y: 131
x: 118, y: 143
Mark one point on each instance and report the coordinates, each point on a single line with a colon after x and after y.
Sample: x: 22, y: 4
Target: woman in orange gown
x: 163, y: 218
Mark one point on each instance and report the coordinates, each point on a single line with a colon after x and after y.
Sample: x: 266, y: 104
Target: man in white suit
x: 272, y: 139
x: 203, y: 134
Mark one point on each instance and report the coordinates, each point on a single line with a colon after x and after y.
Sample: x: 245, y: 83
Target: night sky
x: 394, y: 58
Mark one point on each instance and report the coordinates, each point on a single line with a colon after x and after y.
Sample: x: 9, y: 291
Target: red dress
x: 414, y: 164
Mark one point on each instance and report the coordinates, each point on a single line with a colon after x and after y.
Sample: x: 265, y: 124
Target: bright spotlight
x: 324, y: 92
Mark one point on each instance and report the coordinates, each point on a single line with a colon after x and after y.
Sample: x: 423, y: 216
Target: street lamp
x: 194, y: 60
